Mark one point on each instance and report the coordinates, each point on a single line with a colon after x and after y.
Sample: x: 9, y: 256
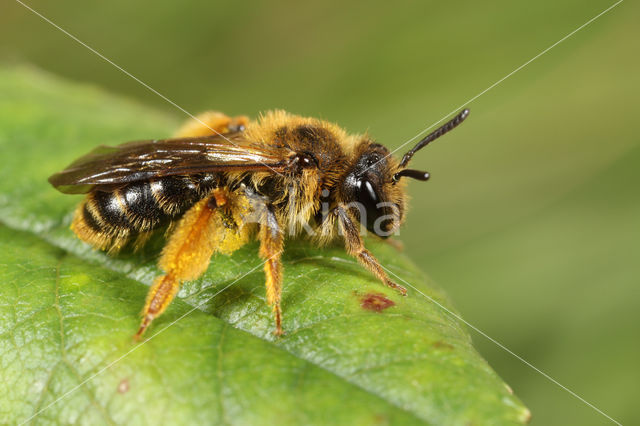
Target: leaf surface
x: 355, y: 352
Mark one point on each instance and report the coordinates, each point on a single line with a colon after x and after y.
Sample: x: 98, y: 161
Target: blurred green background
x: 531, y: 221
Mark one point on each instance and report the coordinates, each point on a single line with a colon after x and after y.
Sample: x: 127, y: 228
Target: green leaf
x: 67, y: 313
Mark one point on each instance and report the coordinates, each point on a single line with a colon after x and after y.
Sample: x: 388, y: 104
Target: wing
x: 144, y: 160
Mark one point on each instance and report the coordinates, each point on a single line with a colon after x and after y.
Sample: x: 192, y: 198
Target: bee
x: 223, y: 181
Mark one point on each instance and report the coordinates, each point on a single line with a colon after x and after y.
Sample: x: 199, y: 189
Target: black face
x: 364, y: 186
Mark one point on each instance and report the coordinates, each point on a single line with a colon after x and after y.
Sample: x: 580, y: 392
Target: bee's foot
x: 398, y: 288
x: 146, y: 322
x: 278, y: 332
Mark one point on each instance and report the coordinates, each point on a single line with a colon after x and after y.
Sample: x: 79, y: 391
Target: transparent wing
x: 144, y: 160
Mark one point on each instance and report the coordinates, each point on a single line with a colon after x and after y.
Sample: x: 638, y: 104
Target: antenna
x: 450, y: 125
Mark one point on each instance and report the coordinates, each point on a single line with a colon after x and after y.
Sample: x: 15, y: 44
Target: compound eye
x: 368, y: 197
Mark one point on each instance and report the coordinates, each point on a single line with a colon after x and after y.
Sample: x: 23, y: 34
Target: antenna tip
x: 413, y: 174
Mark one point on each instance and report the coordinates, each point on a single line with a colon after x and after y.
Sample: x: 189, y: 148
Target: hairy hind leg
x: 212, y: 123
x: 271, y: 247
x: 185, y: 257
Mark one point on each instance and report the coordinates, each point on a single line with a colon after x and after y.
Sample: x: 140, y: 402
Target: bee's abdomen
x: 108, y: 219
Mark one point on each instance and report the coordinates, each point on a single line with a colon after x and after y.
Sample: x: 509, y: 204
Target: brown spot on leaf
x: 376, y: 302
x: 380, y: 419
x: 442, y: 345
x: 123, y: 386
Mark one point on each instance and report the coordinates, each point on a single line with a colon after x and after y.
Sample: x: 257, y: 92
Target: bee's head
x: 371, y: 192
x: 373, y: 187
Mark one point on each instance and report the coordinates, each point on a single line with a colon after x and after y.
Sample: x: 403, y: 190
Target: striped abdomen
x: 109, y: 219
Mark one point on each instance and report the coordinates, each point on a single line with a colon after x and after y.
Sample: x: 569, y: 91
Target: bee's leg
x: 271, y: 247
x: 185, y: 256
x: 212, y: 123
x: 355, y: 247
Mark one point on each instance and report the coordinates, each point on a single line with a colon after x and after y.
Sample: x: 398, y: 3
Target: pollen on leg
x: 220, y: 197
x: 185, y: 257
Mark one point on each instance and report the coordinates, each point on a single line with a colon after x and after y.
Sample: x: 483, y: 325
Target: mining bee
x: 223, y: 181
